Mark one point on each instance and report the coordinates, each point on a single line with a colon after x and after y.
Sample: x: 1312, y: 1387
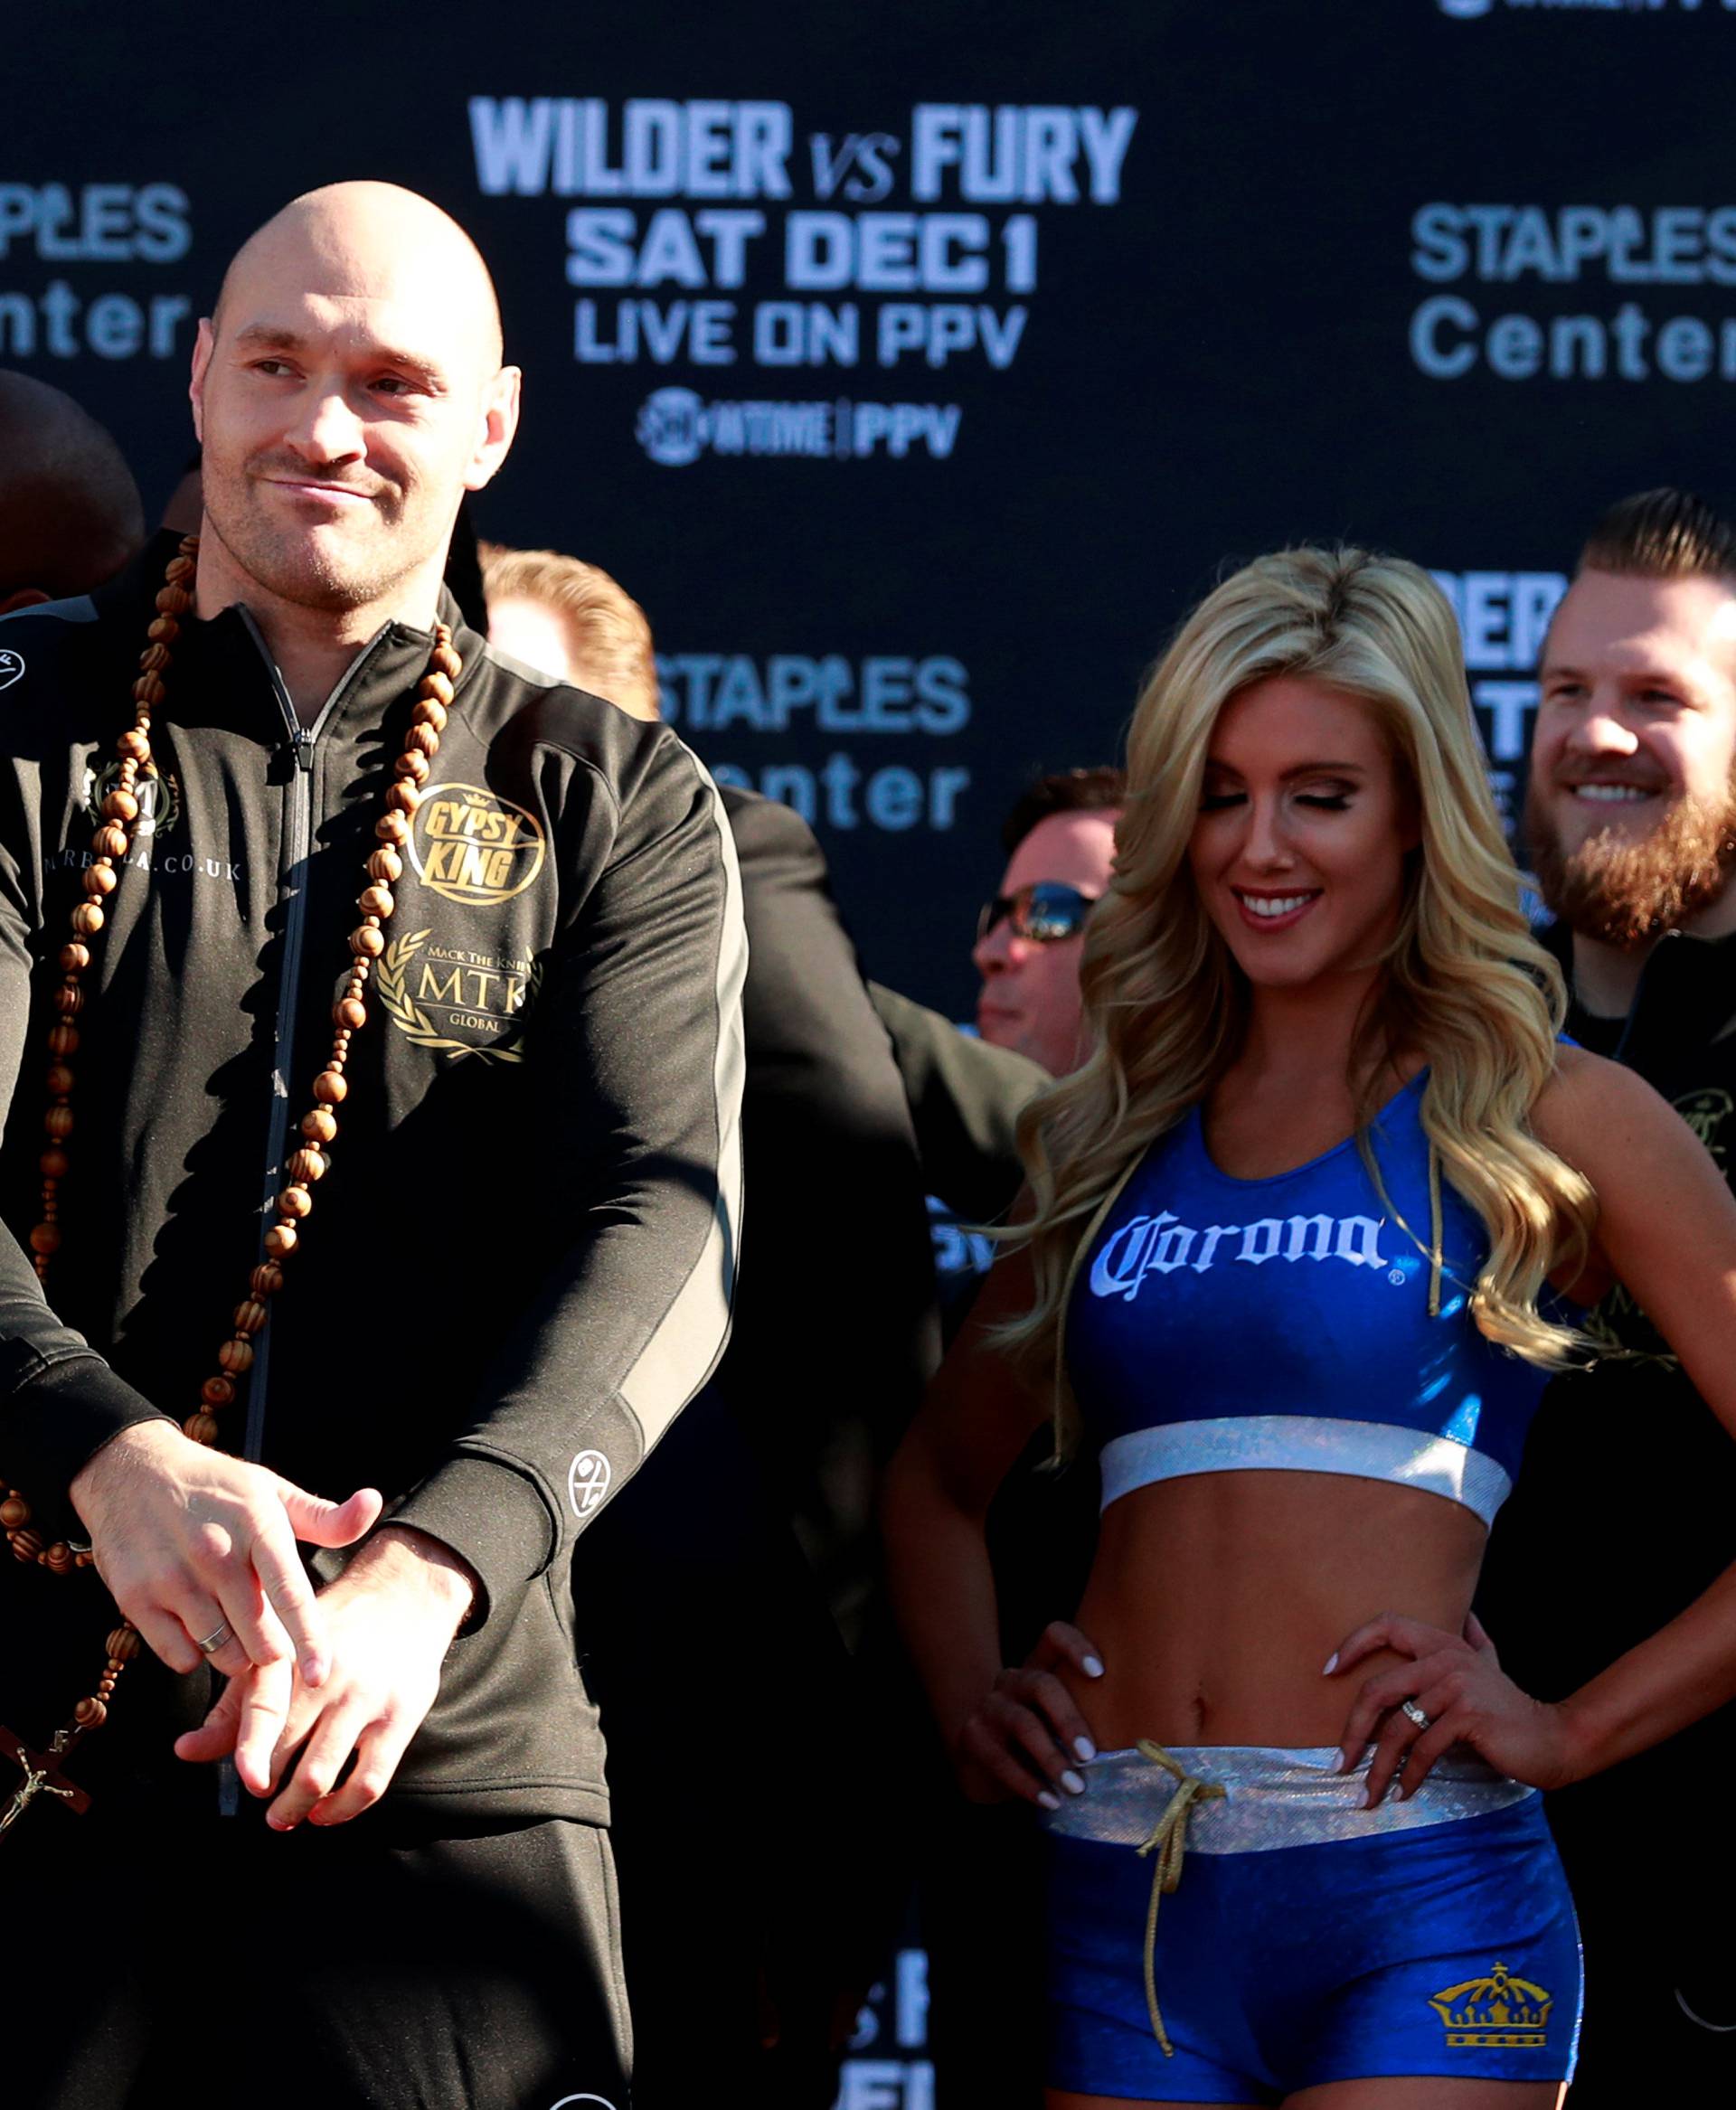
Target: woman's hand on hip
x: 1026, y: 1739
x: 1456, y: 1683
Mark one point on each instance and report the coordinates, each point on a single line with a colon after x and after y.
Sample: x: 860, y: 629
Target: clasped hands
x: 1025, y: 1737
x: 190, y: 1541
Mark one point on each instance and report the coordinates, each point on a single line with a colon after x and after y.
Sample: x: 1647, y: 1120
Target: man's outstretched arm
x: 638, y: 1062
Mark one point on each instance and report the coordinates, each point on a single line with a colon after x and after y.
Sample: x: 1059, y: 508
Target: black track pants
x: 213, y: 1964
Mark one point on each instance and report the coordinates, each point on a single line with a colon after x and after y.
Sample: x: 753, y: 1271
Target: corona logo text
x: 1159, y: 1245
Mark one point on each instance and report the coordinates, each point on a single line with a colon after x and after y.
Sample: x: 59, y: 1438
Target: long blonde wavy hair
x: 1467, y: 986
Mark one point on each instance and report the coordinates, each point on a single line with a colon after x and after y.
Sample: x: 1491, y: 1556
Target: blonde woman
x: 1302, y: 1243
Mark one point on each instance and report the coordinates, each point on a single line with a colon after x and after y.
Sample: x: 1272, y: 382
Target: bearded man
x: 374, y: 1133
x: 1627, y: 1506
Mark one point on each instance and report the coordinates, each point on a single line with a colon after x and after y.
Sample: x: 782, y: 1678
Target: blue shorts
x: 1305, y: 1940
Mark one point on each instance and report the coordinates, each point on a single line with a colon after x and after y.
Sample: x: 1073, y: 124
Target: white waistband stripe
x: 1306, y: 1443
x: 1271, y: 1798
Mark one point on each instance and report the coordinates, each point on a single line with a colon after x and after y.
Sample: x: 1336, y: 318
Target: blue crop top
x: 1219, y: 1325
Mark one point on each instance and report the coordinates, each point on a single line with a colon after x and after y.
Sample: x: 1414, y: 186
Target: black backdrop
x: 1444, y: 275
x: 1248, y: 275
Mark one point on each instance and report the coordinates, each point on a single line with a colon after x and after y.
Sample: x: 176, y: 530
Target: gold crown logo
x: 1499, y: 2011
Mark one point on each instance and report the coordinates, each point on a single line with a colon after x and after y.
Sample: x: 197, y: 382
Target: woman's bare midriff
x: 1215, y: 1601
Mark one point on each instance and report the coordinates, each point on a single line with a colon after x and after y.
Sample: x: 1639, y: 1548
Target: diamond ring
x: 1409, y: 1707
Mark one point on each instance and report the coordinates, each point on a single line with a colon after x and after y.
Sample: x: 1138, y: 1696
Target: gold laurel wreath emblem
x: 413, y: 1023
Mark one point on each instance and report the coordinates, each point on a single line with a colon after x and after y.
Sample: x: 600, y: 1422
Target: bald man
x: 397, y: 1216
x: 70, y: 511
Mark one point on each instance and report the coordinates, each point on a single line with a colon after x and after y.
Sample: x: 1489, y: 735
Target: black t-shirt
x: 1602, y: 1036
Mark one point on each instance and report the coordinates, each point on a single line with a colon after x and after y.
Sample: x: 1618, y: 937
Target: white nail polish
x: 1093, y: 1669
x: 1086, y: 1749
x: 1367, y: 1799
x: 1049, y: 1802
x: 1071, y: 1780
x: 1332, y: 1664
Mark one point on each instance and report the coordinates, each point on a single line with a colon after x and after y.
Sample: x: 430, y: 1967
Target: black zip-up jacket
x: 1624, y: 1509
x: 518, y: 1266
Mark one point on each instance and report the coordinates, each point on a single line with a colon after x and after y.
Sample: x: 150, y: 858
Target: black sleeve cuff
x: 54, y: 1424
x: 492, y: 1517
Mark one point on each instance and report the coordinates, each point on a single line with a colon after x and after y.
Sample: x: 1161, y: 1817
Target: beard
x: 323, y: 573
x: 1624, y: 892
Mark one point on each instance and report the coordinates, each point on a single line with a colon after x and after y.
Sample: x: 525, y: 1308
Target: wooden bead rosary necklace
x: 111, y: 846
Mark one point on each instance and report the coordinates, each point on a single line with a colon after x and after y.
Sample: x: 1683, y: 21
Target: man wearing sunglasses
x: 1060, y: 844
x: 965, y: 1094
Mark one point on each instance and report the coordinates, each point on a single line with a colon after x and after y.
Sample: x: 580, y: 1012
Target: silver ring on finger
x: 1409, y: 1709
x: 219, y: 1637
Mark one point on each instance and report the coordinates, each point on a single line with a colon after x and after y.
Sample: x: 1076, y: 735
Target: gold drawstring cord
x: 1168, y: 1841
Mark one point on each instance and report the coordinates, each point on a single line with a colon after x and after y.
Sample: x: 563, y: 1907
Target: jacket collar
x: 224, y: 659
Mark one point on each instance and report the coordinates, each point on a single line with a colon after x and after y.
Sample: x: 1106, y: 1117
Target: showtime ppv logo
x: 677, y: 426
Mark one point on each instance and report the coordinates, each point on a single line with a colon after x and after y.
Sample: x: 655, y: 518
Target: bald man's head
x: 368, y: 235
x: 348, y: 391
x: 70, y: 511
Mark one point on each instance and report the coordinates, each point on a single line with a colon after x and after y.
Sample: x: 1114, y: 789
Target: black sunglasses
x: 1046, y: 912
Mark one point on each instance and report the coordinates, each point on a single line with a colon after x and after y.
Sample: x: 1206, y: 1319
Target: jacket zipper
x: 292, y: 885
x: 292, y: 889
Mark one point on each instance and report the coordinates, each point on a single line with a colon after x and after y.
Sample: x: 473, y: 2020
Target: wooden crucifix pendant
x: 42, y: 1776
